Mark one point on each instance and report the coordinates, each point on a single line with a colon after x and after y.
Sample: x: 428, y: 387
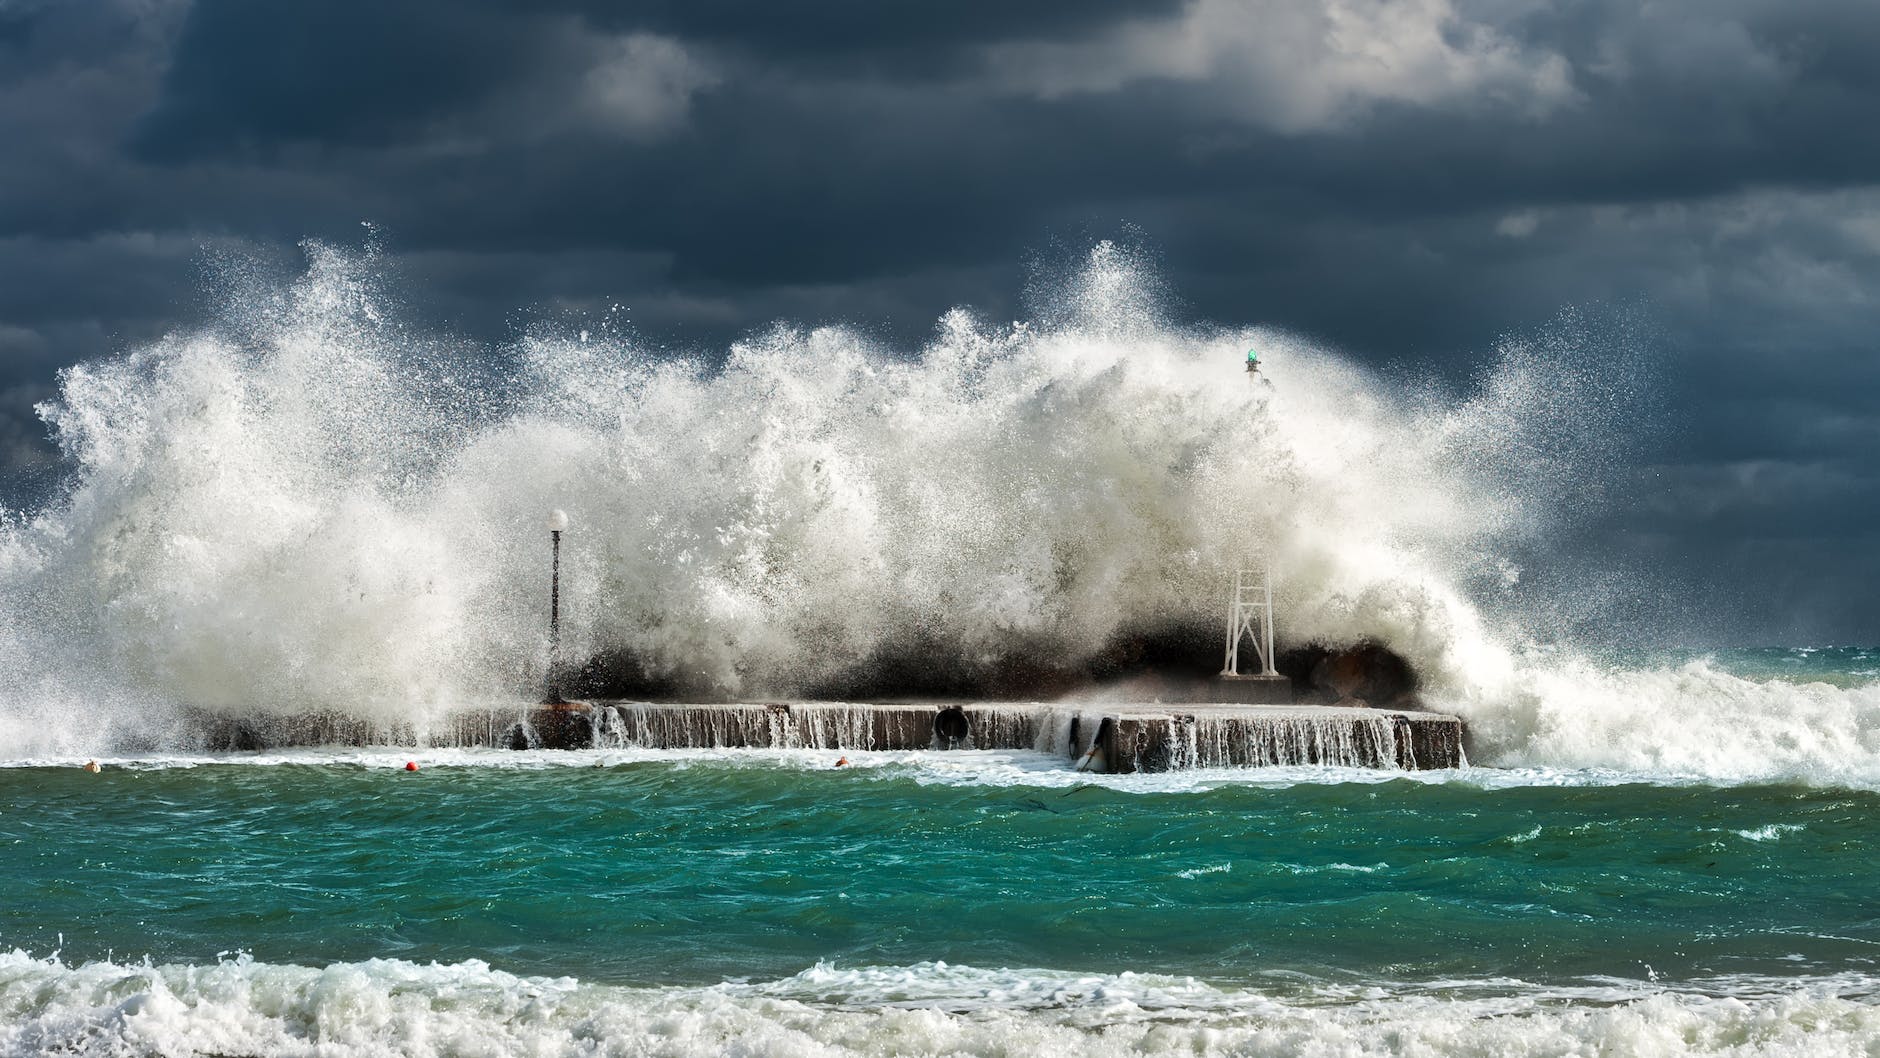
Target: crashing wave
x: 311, y: 507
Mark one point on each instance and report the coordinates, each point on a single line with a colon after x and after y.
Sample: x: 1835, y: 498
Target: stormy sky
x: 1408, y: 180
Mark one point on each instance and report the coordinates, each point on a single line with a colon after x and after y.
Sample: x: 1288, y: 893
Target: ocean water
x: 314, y: 506
x: 331, y: 902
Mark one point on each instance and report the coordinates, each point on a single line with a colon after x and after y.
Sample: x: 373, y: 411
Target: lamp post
x: 557, y: 524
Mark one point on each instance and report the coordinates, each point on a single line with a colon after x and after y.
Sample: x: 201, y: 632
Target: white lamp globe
x: 557, y: 520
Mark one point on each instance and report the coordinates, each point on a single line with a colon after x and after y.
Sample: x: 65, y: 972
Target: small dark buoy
x: 411, y: 765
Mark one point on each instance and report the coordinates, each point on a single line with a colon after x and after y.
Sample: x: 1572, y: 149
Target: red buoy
x: 411, y: 765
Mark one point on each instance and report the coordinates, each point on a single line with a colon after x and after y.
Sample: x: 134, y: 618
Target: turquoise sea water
x: 1837, y: 666
x: 773, y: 903
x: 671, y: 873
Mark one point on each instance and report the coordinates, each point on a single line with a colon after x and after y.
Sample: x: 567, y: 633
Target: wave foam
x: 1692, y: 720
x: 387, y: 1007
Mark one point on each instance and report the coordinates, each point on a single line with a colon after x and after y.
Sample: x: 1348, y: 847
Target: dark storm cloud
x: 924, y: 37
x: 1429, y: 177
x: 246, y: 73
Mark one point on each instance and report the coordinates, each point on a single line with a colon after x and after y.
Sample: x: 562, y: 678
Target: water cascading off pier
x: 1111, y: 738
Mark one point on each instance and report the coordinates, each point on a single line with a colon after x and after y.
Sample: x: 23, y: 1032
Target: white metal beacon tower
x: 1250, y: 620
x: 1250, y: 617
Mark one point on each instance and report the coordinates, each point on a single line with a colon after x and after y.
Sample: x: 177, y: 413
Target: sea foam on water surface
x: 957, y: 768
x: 387, y: 1007
x: 309, y: 506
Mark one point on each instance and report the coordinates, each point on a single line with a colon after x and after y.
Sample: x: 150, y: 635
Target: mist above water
x: 312, y: 505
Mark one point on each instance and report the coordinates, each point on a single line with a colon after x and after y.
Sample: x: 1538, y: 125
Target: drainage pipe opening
x: 951, y: 729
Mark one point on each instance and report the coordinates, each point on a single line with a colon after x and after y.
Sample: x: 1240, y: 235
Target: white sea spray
x: 308, y: 507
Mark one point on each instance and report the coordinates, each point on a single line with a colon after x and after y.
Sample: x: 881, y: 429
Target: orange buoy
x: 93, y: 767
x: 840, y: 762
x: 411, y: 765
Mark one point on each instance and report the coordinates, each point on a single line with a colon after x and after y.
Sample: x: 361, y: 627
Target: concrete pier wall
x: 1264, y: 737
x: 467, y: 728
x: 1129, y: 737
x: 819, y: 725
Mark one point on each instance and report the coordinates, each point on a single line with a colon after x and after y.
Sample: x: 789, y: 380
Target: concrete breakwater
x: 1114, y: 738
x: 1096, y: 737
